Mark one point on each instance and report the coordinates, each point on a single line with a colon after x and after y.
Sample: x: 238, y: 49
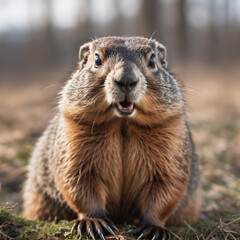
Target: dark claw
x: 156, y: 234
x: 74, y: 227
x: 146, y: 232
x: 153, y: 232
x: 89, y: 229
x: 133, y: 226
x: 110, y: 230
x: 105, y: 225
x: 79, y: 228
x: 110, y: 222
x: 91, y: 234
x: 140, y: 236
x: 102, y: 236
x: 114, y: 227
x: 166, y: 235
x: 99, y: 230
x: 136, y: 230
x: 92, y: 226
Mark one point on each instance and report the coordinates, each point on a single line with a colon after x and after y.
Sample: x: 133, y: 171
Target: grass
x: 15, y: 227
x: 217, y: 225
x: 24, y: 153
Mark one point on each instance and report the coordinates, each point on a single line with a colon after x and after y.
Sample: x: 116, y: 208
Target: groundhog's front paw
x: 93, y: 226
x: 150, y: 232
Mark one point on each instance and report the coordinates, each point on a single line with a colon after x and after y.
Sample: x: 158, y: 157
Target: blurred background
x: 44, y: 35
x: 39, y: 43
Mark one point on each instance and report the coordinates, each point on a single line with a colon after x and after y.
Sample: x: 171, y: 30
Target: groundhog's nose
x: 126, y: 80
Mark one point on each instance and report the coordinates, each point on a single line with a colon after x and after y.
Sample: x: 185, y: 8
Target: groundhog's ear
x: 83, y: 55
x: 162, y: 54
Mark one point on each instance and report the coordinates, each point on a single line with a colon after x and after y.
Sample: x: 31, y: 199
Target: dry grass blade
x: 4, y: 205
x: 4, y: 225
x: 210, y: 236
x: 11, y: 207
x: 176, y: 236
x: 236, y: 220
x: 232, y: 228
x: 119, y: 237
x: 5, y: 235
x: 193, y: 230
x: 224, y: 229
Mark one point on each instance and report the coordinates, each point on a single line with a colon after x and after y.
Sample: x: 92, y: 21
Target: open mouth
x: 125, y: 107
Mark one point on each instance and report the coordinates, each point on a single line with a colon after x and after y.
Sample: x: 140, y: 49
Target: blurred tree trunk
x: 51, y: 46
x: 85, y: 27
x: 225, y: 41
x: 148, y: 18
x: 120, y: 26
x: 213, y: 36
x: 182, y: 29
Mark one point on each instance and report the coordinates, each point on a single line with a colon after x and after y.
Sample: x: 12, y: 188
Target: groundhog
x: 119, y: 147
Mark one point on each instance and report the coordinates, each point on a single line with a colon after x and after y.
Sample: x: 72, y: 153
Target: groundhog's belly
x: 122, y: 169
x: 131, y: 183
x: 141, y: 160
x: 126, y: 204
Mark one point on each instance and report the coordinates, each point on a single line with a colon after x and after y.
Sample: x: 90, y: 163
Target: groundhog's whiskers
x: 86, y: 87
x: 192, y: 91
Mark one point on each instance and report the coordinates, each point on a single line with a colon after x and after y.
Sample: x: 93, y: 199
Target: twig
x: 210, y: 235
x: 175, y: 235
x: 5, y: 235
x: 4, y: 225
x: 11, y: 207
x: 233, y: 237
x: 238, y: 219
x: 3, y: 204
x: 121, y: 237
x: 193, y: 230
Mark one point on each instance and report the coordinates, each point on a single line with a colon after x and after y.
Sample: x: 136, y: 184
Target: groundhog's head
x: 122, y: 77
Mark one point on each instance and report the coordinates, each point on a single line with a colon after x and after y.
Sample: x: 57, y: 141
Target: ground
x: 214, y: 114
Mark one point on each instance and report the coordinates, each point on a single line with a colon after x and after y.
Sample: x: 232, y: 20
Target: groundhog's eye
x: 152, y: 61
x: 98, y: 60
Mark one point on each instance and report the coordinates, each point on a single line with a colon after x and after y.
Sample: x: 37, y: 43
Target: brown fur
x: 90, y: 161
x: 188, y: 213
x: 37, y: 206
